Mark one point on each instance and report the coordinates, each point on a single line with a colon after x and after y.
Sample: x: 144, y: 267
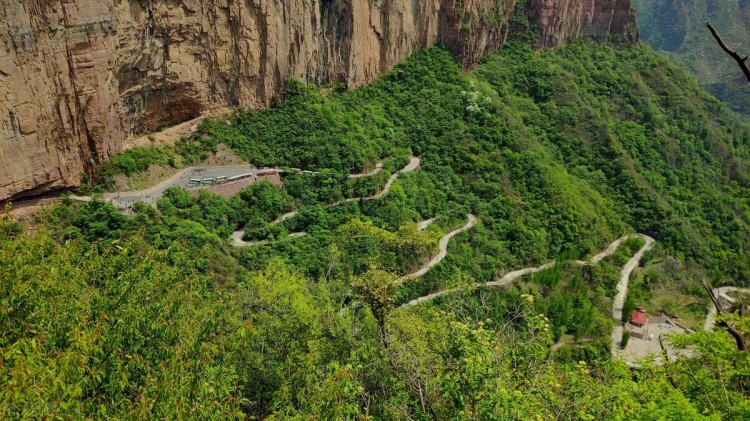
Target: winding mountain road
x: 510, y: 277
x: 284, y: 217
x: 378, y: 168
x: 240, y: 243
x: 426, y: 223
x: 411, y: 166
x: 126, y: 199
x: 443, y: 251
x: 622, y: 286
x: 609, y: 250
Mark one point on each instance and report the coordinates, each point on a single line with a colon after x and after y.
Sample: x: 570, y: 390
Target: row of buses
x: 195, y: 182
x: 206, y: 181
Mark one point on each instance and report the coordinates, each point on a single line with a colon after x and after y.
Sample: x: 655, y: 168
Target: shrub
x: 625, y: 339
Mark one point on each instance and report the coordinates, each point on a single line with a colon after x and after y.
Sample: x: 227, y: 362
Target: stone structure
x: 78, y: 77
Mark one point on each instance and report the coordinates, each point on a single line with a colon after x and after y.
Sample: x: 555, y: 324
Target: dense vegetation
x: 133, y: 332
x: 556, y: 152
x: 677, y: 29
x: 617, y: 137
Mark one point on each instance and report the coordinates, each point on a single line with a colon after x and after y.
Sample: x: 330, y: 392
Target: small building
x: 638, y: 318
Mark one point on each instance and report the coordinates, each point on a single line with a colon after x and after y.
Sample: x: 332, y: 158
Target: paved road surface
x: 125, y: 200
x: 424, y: 224
x: 506, y: 279
x: 284, y: 217
x: 622, y: 286
x: 378, y: 168
x: 443, y: 247
x: 609, y: 250
x: 238, y: 242
x: 443, y: 251
x: 411, y: 166
x: 509, y: 277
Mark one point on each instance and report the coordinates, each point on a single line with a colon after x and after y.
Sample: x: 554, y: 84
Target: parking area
x: 651, y: 340
x: 194, y: 177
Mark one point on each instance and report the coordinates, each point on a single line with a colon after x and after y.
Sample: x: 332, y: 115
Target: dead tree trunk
x: 732, y: 331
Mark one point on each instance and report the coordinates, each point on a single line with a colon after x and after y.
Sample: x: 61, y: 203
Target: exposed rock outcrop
x: 561, y: 20
x: 78, y: 77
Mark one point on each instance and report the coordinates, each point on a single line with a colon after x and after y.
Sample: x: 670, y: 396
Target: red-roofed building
x: 638, y: 318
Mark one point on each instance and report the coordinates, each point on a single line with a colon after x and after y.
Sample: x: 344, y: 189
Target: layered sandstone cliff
x: 78, y: 77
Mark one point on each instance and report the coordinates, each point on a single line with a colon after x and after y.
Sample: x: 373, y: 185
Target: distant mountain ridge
x: 677, y: 29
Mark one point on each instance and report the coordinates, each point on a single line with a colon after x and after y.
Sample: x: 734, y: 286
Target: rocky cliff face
x: 560, y: 20
x: 77, y: 77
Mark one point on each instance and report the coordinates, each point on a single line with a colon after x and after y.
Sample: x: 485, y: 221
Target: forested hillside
x: 677, y: 28
x: 557, y: 153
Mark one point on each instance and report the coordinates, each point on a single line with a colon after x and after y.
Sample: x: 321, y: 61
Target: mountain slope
x: 677, y: 29
x: 556, y: 152
x: 615, y: 132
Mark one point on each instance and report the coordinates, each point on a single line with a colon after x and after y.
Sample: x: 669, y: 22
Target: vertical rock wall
x: 77, y: 77
x: 561, y: 20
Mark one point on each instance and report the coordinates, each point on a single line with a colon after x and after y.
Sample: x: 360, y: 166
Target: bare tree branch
x: 741, y: 61
x: 739, y: 341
